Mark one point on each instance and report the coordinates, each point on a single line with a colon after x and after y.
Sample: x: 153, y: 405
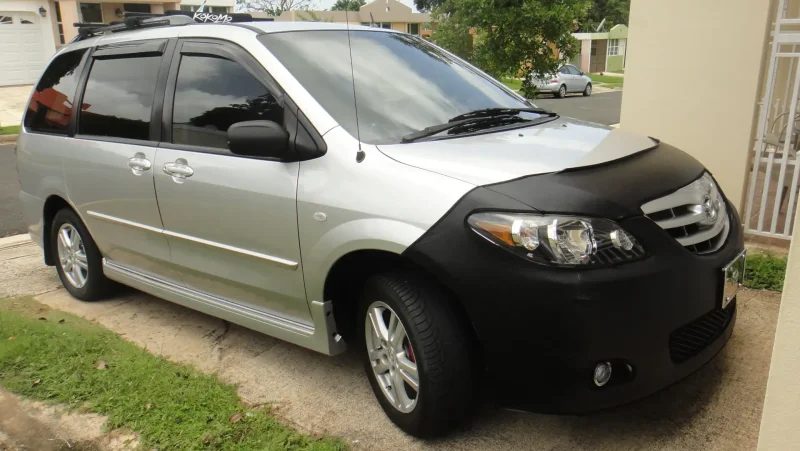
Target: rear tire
x: 588, y: 90
x: 78, y: 261
x: 436, y: 349
x: 562, y: 92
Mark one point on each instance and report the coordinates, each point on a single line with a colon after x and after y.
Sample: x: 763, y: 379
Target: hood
x: 500, y: 156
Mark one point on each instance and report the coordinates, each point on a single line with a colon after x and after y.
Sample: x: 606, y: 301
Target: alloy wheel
x: 562, y: 91
x: 392, y: 357
x: 72, y: 256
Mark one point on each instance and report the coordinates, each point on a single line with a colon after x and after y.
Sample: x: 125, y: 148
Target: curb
x: 14, y: 240
x: 8, y: 139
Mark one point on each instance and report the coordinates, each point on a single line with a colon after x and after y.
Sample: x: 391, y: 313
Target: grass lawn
x: 512, y: 83
x: 608, y: 81
x: 54, y: 356
x: 9, y: 130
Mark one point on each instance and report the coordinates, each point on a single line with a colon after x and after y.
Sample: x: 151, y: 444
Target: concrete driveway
x: 717, y: 408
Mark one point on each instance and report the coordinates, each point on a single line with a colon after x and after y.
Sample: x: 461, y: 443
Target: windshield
x: 403, y: 84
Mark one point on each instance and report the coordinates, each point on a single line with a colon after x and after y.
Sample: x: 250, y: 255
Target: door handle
x: 178, y: 170
x: 139, y: 163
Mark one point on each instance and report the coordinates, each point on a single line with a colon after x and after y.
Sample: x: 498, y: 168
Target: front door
x: 109, y: 165
x: 231, y: 221
x: 598, y: 57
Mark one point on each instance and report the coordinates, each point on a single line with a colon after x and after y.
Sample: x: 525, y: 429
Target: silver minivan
x: 341, y: 186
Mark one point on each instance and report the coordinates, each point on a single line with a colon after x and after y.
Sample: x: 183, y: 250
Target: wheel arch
x: 52, y: 205
x: 346, y: 278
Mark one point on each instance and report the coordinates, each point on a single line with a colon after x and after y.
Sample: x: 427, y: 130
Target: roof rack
x: 134, y: 21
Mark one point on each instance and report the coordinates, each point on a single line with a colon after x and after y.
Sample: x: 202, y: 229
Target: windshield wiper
x: 470, y: 124
x: 490, y: 112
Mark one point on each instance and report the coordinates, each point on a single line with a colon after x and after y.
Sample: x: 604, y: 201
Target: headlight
x: 558, y: 240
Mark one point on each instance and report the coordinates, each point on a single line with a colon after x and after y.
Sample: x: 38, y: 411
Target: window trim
x: 126, y: 50
x: 219, y: 49
x: 94, y: 2
x: 615, y: 47
x: 59, y: 22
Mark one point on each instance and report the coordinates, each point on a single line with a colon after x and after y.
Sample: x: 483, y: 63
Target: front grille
x: 695, y: 215
x: 689, y: 340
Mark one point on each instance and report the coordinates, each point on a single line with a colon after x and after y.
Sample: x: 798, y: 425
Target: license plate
x: 734, y: 278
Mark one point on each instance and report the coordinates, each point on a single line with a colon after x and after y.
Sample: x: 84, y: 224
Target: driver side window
x: 213, y: 93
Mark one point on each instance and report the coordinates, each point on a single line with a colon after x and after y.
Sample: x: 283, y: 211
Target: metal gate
x: 772, y: 193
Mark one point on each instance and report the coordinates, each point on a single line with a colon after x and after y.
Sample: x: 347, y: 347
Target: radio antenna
x: 360, y: 154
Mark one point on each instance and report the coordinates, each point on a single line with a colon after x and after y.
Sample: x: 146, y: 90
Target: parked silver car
x: 566, y: 80
x: 333, y: 186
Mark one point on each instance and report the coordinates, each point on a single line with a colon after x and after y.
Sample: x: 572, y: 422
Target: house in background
x: 389, y: 14
x: 32, y: 30
x: 602, y: 52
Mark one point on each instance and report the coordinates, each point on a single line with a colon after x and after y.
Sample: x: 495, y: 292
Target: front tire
x: 588, y: 90
x: 416, y: 353
x: 78, y: 261
x: 562, y: 92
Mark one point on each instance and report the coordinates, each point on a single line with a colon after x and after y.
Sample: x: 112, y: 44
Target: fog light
x: 602, y: 373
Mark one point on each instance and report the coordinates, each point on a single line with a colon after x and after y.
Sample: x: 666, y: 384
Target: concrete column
x: 780, y: 421
x: 69, y: 16
x: 692, y: 79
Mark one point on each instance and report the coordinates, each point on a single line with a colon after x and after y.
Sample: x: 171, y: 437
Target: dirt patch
x: 33, y: 425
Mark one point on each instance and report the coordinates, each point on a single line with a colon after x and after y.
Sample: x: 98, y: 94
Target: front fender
x: 361, y: 234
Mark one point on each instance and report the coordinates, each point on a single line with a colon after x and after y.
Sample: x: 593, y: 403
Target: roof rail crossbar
x: 134, y: 20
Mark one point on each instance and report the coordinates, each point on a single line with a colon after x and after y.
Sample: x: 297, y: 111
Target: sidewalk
x: 13, y: 100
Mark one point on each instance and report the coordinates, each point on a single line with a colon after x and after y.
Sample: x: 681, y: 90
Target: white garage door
x: 21, y: 50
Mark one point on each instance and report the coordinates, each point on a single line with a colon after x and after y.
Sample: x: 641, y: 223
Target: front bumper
x: 563, y: 323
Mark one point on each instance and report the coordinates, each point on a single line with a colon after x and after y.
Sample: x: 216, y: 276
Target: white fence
x: 772, y: 193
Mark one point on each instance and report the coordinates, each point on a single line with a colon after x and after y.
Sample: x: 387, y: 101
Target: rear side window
x: 118, y: 100
x: 211, y: 94
x: 50, y: 107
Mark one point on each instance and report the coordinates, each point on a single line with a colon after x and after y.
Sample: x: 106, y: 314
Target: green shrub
x: 765, y: 271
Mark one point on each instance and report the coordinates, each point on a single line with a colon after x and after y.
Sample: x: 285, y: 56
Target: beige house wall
x: 780, y: 421
x: 400, y: 26
x: 669, y: 95
x: 69, y: 16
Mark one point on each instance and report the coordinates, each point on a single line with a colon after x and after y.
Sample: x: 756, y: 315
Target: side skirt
x: 321, y: 336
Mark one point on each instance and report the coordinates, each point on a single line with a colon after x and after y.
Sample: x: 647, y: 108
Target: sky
x: 326, y: 4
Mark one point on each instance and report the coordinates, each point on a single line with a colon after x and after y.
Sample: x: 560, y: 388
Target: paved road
x: 602, y: 108
x: 10, y: 211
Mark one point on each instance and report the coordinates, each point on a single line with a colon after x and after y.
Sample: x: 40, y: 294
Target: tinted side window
x: 563, y: 70
x: 211, y: 94
x: 573, y: 70
x: 119, y: 97
x: 51, y: 104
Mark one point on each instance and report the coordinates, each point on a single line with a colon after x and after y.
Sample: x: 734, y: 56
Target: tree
x: 427, y: 5
x: 273, y: 7
x: 613, y: 11
x: 348, y: 5
x: 511, y: 37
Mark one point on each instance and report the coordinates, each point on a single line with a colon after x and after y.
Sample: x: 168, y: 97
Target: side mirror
x: 258, y: 139
x: 583, y: 73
